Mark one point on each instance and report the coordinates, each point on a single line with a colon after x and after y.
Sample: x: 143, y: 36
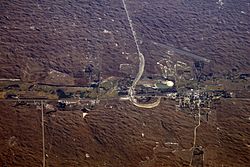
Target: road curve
x: 141, y: 68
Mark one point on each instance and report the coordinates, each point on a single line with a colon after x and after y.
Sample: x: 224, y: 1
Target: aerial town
x: 194, y: 91
x: 126, y: 83
x: 188, y: 85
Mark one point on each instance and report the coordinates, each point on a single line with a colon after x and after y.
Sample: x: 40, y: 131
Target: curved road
x: 141, y: 68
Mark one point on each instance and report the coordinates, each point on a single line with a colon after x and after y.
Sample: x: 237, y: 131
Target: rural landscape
x: 125, y: 83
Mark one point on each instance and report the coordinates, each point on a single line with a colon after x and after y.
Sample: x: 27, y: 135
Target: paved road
x: 141, y: 67
x: 181, y: 52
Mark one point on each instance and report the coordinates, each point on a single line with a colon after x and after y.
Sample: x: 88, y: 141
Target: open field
x: 118, y: 134
x: 64, y: 36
